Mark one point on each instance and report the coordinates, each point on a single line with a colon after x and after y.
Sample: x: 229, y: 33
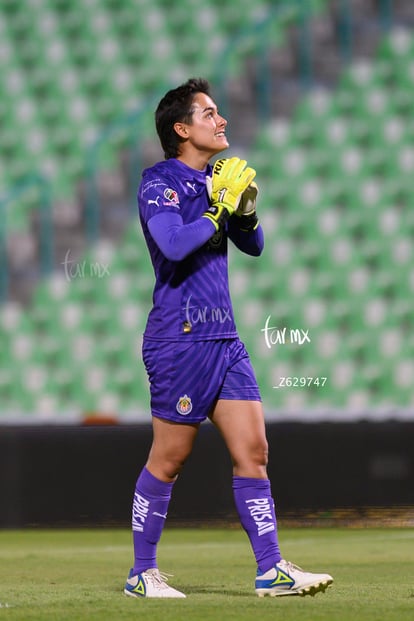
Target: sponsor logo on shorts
x: 184, y: 405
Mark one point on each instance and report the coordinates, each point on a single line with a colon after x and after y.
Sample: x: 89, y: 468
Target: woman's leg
x: 172, y: 444
x: 241, y: 423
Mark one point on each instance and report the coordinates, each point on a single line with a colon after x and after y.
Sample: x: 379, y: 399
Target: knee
x: 164, y: 467
x: 260, y: 454
x: 257, y: 452
x: 252, y: 462
x: 173, y: 466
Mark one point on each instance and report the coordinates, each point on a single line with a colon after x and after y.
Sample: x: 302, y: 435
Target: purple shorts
x: 187, y: 378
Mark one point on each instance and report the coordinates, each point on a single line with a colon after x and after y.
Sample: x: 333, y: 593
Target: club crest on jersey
x: 184, y: 405
x: 171, y: 196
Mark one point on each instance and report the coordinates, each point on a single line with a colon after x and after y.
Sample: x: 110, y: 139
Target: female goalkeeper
x: 196, y: 364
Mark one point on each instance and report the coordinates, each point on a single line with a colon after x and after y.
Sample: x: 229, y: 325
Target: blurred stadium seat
x: 73, y: 67
x: 348, y: 157
x: 335, y: 181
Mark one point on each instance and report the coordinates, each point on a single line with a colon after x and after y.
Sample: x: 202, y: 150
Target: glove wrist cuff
x: 213, y: 220
x: 218, y: 213
x: 249, y: 222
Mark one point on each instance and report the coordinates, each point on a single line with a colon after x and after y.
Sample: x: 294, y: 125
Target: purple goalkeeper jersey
x: 191, y: 298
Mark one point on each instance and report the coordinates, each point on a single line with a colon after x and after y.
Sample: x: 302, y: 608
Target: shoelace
x: 158, y: 579
x: 291, y: 566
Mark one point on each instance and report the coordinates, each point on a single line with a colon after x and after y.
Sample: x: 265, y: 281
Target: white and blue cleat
x: 285, y: 578
x: 150, y: 583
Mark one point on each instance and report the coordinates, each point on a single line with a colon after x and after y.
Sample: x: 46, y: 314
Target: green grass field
x: 79, y: 575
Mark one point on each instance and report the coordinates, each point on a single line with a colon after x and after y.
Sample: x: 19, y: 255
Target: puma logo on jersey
x: 151, y: 202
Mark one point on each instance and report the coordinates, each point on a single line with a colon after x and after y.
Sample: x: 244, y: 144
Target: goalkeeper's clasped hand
x: 247, y: 208
x: 231, y: 178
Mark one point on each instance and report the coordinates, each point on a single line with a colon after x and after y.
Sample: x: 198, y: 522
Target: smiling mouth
x: 221, y: 135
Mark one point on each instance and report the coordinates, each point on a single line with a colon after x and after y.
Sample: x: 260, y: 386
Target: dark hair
x: 175, y: 106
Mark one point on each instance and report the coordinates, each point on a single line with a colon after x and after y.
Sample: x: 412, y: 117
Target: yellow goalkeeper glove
x: 230, y: 179
x: 247, y: 208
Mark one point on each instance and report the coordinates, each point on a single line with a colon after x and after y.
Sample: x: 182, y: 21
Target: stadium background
x: 319, y: 98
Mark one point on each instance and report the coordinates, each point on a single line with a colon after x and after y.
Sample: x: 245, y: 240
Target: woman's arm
x: 177, y: 240
x: 249, y: 242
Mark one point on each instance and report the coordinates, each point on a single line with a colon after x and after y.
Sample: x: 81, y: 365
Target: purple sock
x: 256, y: 510
x: 149, y: 512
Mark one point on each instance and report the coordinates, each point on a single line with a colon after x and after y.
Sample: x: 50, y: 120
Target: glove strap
x: 218, y: 214
x: 249, y: 223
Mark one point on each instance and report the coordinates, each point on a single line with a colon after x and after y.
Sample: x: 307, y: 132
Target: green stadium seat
x: 83, y: 65
x: 343, y: 243
x: 335, y: 196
